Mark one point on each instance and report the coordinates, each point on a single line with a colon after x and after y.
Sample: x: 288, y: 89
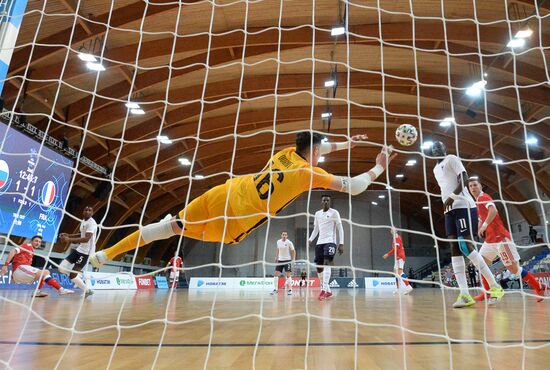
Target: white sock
x: 288, y: 283
x: 459, y: 267
x: 79, y: 283
x: 482, y: 267
x: 326, y: 278
x: 276, y: 283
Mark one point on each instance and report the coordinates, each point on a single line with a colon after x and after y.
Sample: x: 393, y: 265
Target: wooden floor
x: 357, y: 329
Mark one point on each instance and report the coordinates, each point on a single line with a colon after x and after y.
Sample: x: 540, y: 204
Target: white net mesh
x: 220, y: 88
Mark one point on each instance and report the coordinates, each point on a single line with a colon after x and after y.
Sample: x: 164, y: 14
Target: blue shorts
x: 461, y: 222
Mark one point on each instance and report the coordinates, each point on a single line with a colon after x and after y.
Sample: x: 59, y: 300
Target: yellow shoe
x: 464, y: 300
x: 495, y: 293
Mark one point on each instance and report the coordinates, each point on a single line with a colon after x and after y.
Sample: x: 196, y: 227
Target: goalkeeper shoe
x: 464, y: 300
x: 98, y: 259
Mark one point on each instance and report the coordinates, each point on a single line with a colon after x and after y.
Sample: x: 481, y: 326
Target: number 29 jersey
x: 271, y: 191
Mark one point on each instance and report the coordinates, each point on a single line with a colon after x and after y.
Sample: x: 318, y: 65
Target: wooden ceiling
x: 228, y: 83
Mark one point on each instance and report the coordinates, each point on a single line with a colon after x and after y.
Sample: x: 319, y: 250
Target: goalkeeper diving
x: 229, y: 212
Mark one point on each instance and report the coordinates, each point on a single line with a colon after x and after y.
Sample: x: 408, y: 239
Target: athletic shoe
x: 88, y: 293
x: 40, y: 294
x: 98, y: 259
x: 408, y: 289
x: 464, y: 300
x: 322, y: 295
x: 275, y: 291
x: 328, y: 295
x: 289, y: 292
x: 64, y: 291
x: 541, y: 292
x: 495, y: 294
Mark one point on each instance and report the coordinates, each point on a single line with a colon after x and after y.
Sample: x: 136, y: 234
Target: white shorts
x: 24, y: 274
x: 507, y: 251
x: 174, y: 275
x: 399, y: 264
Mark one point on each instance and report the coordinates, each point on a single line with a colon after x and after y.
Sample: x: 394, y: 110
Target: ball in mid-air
x: 406, y: 134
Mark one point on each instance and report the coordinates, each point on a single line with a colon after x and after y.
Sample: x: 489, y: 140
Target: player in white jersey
x: 78, y: 258
x: 328, y: 226
x: 284, y: 257
x: 461, y: 223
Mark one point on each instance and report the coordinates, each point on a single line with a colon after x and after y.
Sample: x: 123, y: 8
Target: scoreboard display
x: 34, y: 186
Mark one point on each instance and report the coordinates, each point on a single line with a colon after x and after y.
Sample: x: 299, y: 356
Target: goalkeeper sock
x: 127, y: 244
x: 275, y: 283
x: 459, y: 268
x: 482, y: 267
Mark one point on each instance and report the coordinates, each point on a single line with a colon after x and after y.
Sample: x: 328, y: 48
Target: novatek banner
x: 543, y: 277
x: 311, y: 282
x: 380, y: 283
x: 232, y: 283
x: 103, y: 280
x: 145, y: 282
x: 162, y: 282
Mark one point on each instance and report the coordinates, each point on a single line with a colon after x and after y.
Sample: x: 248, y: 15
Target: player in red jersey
x: 498, y: 241
x: 176, y: 262
x: 400, y: 258
x: 22, y: 271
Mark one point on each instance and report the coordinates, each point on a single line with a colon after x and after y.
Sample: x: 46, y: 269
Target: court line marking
x: 311, y: 344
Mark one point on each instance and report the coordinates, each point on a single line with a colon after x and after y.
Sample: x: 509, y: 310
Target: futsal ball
x: 406, y: 134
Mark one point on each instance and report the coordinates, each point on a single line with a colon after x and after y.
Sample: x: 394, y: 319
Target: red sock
x: 485, y: 283
x: 52, y: 282
x: 533, y: 283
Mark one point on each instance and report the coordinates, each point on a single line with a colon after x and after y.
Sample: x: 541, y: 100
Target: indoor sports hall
x: 274, y: 184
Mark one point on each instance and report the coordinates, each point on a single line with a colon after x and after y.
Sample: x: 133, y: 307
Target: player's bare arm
x: 358, y: 184
x: 492, y: 213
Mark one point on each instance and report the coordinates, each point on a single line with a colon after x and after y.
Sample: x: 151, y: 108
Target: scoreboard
x: 34, y: 186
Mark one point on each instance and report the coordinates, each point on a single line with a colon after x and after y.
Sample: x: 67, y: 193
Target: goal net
x: 136, y: 108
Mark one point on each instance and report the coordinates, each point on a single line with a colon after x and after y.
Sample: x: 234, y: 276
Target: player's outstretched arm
x: 10, y: 256
x: 327, y: 148
x: 490, y: 217
x: 358, y: 184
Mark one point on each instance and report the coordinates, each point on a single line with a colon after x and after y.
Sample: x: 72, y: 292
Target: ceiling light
x: 326, y: 114
x: 474, y: 178
x: 95, y: 66
x: 197, y: 176
x: 321, y: 159
x: 410, y: 162
x: 523, y: 34
x: 476, y: 88
x: 447, y: 122
x: 137, y: 111
x: 427, y: 144
x: 330, y: 83
x: 184, y: 161
x: 374, y: 203
x: 164, y: 139
x: 516, y: 43
x: 338, y: 30
x: 87, y: 57
x: 531, y: 141
x: 132, y: 105
x: 399, y: 175
x: 382, y: 196
x: 498, y: 161
x: 425, y: 207
x: 485, y: 75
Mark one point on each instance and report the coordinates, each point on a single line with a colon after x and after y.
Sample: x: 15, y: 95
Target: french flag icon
x: 4, y: 173
x: 48, y: 193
